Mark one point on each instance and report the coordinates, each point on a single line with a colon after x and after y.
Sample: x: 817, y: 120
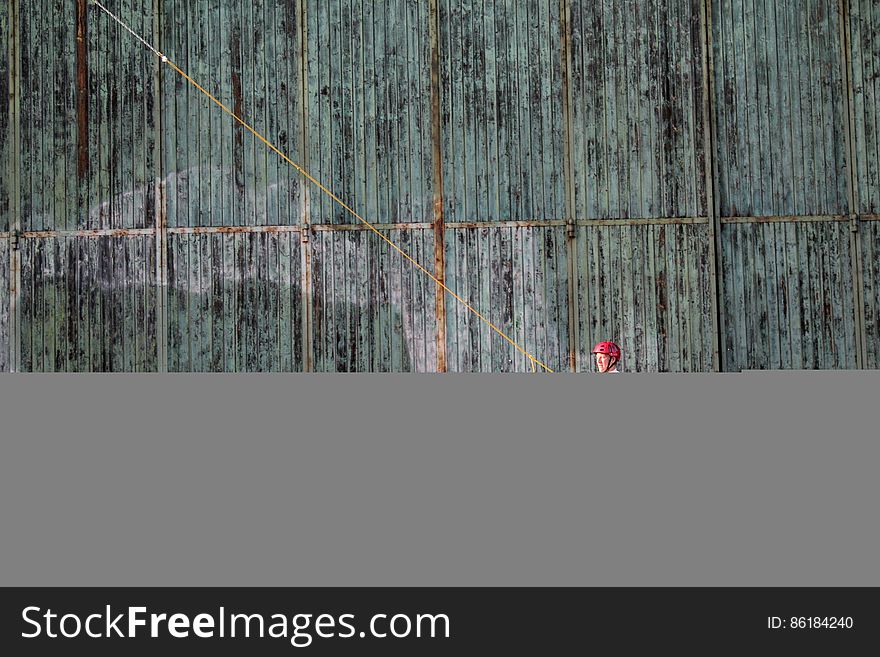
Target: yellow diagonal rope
x: 534, y: 361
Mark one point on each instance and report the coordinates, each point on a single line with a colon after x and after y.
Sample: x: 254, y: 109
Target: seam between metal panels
x: 571, y: 232
x: 94, y: 233
x: 787, y: 219
x: 306, y: 283
x: 163, y: 229
x: 207, y: 230
x: 161, y: 209
x: 716, y: 281
x: 14, y: 106
x: 646, y: 221
x: 855, y: 241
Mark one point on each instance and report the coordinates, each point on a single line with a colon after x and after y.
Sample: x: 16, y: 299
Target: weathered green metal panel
x: 516, y: 277
x: 638, y: 148
x: 369, y: 109
x: 501, y: 110
x: 372, y: 311
x: 871, y: 275
x: 788, y: 295
x: 865, y: 67
x: 88, y: 305
x: 234, y: 302
x: 86, y: 123
x: 344, y: 88
x: 4, y: 305
x: 646, y: 287
x: 503, y: 158
x: 6, y: 162
x: 247, y: 56
x: 779, y: 107
x: 369, y: 127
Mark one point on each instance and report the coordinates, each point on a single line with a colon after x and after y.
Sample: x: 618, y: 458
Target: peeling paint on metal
x: 234, y: 302
x: 789, y: 299
x: 88, y: 305
x: 4, y: 305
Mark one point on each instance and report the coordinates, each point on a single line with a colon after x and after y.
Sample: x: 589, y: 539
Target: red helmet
x: 607, y: 348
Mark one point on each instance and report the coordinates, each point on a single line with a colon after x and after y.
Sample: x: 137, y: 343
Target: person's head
x: 607, y: 356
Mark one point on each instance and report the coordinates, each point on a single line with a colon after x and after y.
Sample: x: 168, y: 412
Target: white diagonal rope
x: 129, y: 30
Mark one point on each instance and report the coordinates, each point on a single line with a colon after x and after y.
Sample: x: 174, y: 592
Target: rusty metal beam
x: 528, y: 223
x: 209, y: 230
x: 855, y: 241
x: 161, y: 225
x: 89, y: 233
x: 439, y: 228
x: 647, y: 221
x: 14, y: 113
x: 571, y: 230
x: 82, y: 88
x: 357, y: 227
x: 785, y: 219
x: 306, y: 292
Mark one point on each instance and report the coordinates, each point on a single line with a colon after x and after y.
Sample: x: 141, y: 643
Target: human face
x: 603, y: 362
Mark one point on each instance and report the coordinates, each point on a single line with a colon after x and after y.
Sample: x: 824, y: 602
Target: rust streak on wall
x: 439, y: 227
x: 82, y: 89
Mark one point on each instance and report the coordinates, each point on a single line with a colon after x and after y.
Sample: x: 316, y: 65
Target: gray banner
x: 736, y: 479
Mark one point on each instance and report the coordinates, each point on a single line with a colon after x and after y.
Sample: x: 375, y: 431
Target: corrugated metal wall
x: 86, y: 125
x: 5, y: 133
x: 4, y: 304
x: 871, y: 274
x: 369, y: 136
x: 638, y: 142
x: 781, y: 123
x: 88, y: 304
x: 6, y: 169
x: 88, y: 299
x: 519, y: 275
x: 234, y: 302
x: 649, y: 172
x: 372, y: 311
x: 647, y: 286
x: 789, y: 291
x: 639, y: 153
x: 789, y: 295
x: 502, y: 139
x: 864, y: 35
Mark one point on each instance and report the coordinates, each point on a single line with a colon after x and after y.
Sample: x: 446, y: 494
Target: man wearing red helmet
x: 607, y: 357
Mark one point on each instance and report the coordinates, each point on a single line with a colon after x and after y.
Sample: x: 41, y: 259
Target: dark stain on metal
x: 238, y: 146
x: 82, y: 90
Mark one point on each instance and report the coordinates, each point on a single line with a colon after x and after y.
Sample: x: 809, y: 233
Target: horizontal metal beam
x: 458, y: 225
x: 526, y: 223
x: 645, y: 221
x: 350, y: 227
x: 98, y: 232
x: 785, y: 219
x: 208, y: 230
